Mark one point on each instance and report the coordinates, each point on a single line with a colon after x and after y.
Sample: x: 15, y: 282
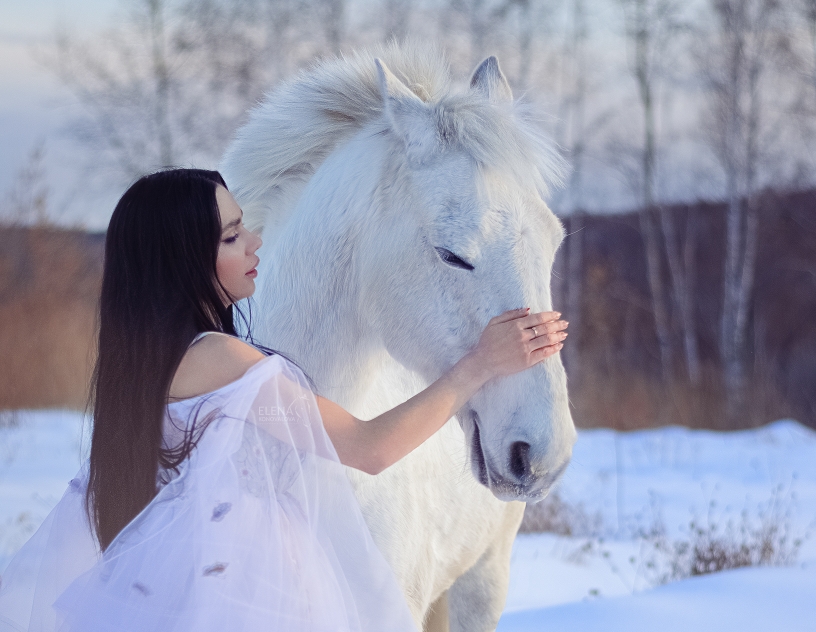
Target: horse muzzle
x: 518, y: 478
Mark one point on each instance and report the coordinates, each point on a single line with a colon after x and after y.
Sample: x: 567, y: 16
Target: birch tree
x: 808, y: 12
x: 736, y: 66
x: 573, y: 136
x: 126, y: 82
x: 650, y: 25
x: 174, y: 79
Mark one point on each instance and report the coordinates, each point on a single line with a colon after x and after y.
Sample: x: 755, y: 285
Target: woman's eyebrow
x: 233, y: 223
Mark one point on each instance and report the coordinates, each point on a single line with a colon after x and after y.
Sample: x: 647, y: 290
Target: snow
x: 638, y: 493
x: 39, y: 455
x: 743, y: 600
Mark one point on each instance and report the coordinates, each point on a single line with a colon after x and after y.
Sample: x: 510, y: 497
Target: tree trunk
x: 525, y: 42
x: 574, y: 260
x: 730, y: 350
x: 810, y: 16
x: 648, y: 222
x: 688, y: 305
x: 161, y: 75
x: 574, y: 268
x: 683, y: 299
x: 334, y: 23
x: 478, y: 31
x: 651, y: 242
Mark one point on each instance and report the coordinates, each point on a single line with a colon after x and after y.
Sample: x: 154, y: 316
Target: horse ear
x: 490, y: 81
x: 391, y: 87
x: 407, y: 115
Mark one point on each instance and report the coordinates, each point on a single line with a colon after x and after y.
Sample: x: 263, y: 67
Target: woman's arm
x: 505, y: 347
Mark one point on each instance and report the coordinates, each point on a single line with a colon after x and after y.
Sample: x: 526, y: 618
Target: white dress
x: 258, y: 531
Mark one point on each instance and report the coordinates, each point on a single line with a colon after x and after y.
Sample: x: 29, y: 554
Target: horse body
x: 397, y: 220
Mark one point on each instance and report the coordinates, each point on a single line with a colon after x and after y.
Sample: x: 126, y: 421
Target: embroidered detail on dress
x: 213, y: 570
x: 264, y: 460
x: 141, y: 588
x: 220, y: 511
x: 74, y: 484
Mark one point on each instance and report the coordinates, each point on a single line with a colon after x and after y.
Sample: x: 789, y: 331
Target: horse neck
x: 311, y: 299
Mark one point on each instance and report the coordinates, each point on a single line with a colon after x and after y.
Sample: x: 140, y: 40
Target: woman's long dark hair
x: 159, y: 289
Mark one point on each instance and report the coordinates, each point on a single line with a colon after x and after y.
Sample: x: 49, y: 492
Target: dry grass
x: 711, y: 545
x: 765, y: 540
x: 626, y: 400
x: 49, y: 282
x: 553, y: 515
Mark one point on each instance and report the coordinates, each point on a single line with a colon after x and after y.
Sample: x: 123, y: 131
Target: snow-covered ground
x: 635, y: 496
x: 632, y: 499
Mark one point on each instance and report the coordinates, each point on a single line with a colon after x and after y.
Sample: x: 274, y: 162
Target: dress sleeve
x: 259, y: 531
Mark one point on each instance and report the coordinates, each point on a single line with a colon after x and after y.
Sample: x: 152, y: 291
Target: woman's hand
x: 516, y: 340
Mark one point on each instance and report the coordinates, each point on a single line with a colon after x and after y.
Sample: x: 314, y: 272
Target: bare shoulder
x: 213, y: 362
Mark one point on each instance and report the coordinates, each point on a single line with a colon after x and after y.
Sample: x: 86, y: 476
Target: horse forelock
x: 298, y: 124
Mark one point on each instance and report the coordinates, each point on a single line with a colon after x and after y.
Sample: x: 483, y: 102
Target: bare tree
x: 736, y: 66
x: 27, y: 200
x: 175, y: 78
x: 331, y: 16
x: 528, y: 25
x: 808, y: 10
x: 396, y: 18
x: 650, y: 24
x: 653, y: 28
x: 573, y: 135
x: 485, y: 28
x: 127, y: 81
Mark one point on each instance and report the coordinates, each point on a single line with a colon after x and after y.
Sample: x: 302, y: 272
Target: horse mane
x: 299, y: 123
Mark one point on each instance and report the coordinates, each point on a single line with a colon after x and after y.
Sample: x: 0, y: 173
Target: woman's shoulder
x: 212, y: 363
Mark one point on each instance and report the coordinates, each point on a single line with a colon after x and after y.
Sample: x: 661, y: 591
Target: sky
x: 34, y: 106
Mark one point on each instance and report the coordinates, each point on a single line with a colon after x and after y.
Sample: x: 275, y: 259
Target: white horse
x: 398, y: 217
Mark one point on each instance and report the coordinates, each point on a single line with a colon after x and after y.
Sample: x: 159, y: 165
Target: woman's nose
x: 257, y: 242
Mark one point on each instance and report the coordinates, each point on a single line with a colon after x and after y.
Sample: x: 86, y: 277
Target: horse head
x: 460, y: 233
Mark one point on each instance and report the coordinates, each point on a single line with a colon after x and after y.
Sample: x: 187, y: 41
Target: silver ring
x: 535, y: 335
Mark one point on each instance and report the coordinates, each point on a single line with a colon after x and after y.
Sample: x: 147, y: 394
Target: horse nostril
x: 520, y: 459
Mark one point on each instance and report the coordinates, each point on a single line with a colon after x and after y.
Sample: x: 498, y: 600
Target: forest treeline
x: 614, y: 360
x: 50, y: 278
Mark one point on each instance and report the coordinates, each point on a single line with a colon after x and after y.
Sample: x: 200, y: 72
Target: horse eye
x: 451, y: 259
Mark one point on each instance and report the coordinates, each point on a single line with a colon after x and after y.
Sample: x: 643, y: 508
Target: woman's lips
x: 252, y: 273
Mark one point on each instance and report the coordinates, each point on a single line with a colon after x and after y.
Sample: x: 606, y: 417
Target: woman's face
x: 236, y: 261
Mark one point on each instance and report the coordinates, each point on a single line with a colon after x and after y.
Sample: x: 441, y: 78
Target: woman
x: 214, y: 497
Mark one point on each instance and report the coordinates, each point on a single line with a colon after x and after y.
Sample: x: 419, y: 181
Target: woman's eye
x: 448, y: 257
x: 230, y: 240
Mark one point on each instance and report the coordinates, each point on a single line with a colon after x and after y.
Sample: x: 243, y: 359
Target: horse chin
x: 506, y: 490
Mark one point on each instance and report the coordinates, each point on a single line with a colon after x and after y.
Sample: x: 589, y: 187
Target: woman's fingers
x: 544, y: 322
x: 547, y: 333
x: 508, y: 315
x: 542, y: 340
x: 545, y: 352
x: 549, y: 320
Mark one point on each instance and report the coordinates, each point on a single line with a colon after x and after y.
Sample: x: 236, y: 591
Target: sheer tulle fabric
x: 258, y: 530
